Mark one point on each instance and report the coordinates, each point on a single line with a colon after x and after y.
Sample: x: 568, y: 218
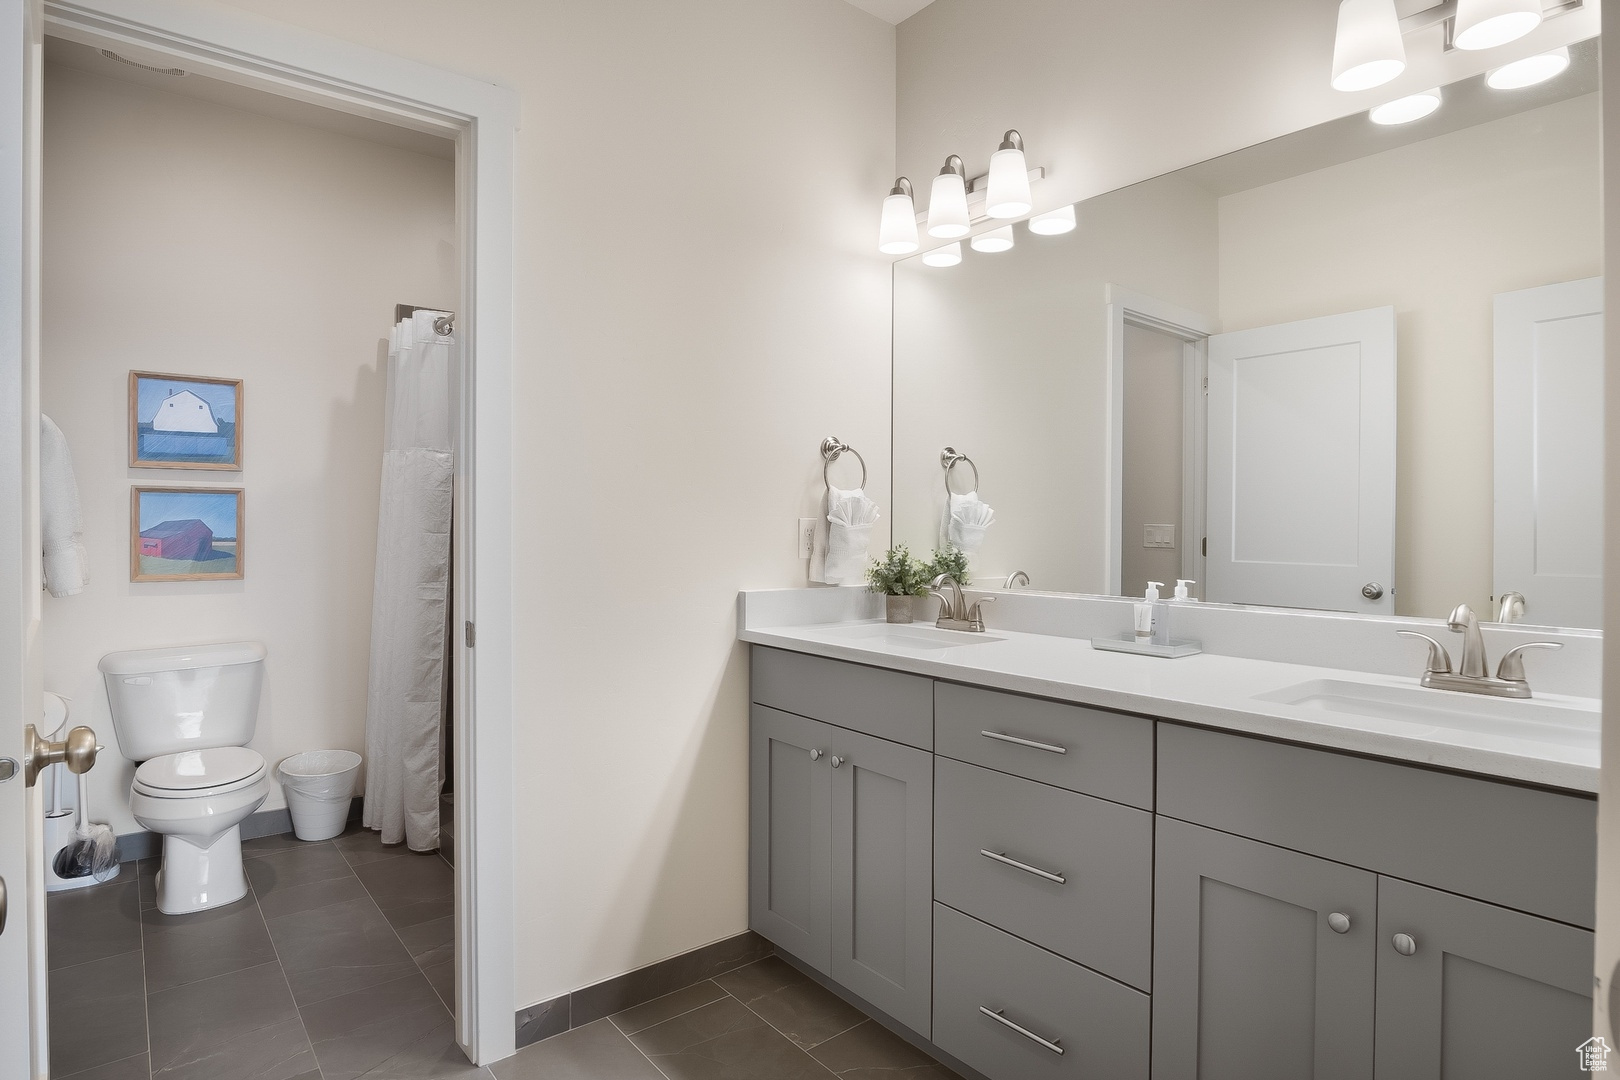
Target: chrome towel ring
x: 950, y: 459
x: 831, y: 450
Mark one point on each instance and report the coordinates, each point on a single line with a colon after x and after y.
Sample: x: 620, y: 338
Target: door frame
x: 1127, y: 308
x: 481, y: 118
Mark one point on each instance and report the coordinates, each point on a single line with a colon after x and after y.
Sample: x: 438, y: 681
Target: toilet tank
x: 189, y: 697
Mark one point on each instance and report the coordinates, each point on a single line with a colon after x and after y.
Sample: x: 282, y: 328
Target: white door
x: 23, y: 1045
x: 1549, y: 451
x: 1302, y: 464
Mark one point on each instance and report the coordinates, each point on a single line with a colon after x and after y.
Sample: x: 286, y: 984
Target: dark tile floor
x: 338, y: 964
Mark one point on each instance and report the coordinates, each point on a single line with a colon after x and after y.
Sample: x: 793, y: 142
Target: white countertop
x: 1215, y: 691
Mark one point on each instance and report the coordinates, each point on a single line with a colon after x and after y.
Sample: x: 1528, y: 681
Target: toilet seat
x: 198, y: 774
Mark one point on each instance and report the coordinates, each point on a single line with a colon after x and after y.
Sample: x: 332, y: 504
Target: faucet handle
x: 1439, y: 659
x: 975, y: 617
x: 1511, y: 669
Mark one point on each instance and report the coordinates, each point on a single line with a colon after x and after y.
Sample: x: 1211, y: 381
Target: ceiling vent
x: 109, y: 54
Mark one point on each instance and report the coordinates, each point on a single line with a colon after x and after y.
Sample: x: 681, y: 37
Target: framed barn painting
x: 184, y: 422
x: 185, y: 534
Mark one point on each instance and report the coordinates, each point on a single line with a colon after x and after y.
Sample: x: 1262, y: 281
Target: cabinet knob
x: 837, y: 761
x: 815, y: 755
x: 1405, y: 944
x: 1339, y: 922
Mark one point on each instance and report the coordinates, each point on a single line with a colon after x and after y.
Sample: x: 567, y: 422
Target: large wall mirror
x: 1357, y: 368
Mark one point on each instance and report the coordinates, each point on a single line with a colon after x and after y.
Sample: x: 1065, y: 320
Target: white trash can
x: 319, y: 786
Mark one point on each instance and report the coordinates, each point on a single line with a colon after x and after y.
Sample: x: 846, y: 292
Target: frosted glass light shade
x: 1485, y: 24
x: 947, y: 207
x: 1053, y: 222
x: 1529, y: 71
x: 897, y: 235
x: 1007, y: 195
x: 993, y: 241
x: 1367, y: 49
x: 1407, y: 109
x: 949, y: 255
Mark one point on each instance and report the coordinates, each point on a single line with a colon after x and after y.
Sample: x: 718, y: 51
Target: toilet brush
x: 93, y: 852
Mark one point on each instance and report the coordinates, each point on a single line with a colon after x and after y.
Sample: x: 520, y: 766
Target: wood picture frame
x: 184, y: 421
x: 175, y: 533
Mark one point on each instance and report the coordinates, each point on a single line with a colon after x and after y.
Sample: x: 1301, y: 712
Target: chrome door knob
x: 1405, y: 944
x: 1339, y: 922
x: 815, y: 755
x: 77, y: 752
x: 1372, y: 591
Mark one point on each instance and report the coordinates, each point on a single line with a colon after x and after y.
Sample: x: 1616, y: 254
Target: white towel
x: 67, y: 564
x: 963, y: 524
x: 839, y: 549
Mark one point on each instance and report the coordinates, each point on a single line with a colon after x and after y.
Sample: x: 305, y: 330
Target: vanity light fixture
x: 947, y: 203
x: 1485, y: 24
x: 1407, y: 109
x: 1529, y: 71
x: 1008, y: 193
x: 897, y: 235
x: 1053, y: 222
x: 1367, y: 48
x: 993, y: 241
x: 949, y: 255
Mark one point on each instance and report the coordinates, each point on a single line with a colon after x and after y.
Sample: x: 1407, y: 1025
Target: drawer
x: 1100, y: 1026
x: 887, y: 704
x: 1519, y: 847
x: 1101, y: 914
x: 1101, y: 753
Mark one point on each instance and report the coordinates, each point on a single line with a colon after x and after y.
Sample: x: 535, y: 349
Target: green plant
x: 952, y: 561
x: 898, y: 574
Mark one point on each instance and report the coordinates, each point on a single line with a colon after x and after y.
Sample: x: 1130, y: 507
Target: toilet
x: 186, y: 714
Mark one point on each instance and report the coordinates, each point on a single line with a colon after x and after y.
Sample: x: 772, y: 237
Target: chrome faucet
x: 1512, y: 607
x: 1016, y: 578
x: 954, y: 612
x: 1472, y: 678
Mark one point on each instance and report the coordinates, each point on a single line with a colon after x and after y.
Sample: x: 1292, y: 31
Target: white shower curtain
x: 405, y: 695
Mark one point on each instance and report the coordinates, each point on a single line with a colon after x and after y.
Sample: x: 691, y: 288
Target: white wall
x: 1521, y: 201
x: 700, y: 305
x: 182, y: 236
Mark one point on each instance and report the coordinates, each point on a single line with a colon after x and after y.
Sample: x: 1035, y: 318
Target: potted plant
x: 898, y: 577
x: 952, y: 561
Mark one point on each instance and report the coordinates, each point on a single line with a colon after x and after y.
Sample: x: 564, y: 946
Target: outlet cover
x: 807, y: 536
x: 1158, y: 536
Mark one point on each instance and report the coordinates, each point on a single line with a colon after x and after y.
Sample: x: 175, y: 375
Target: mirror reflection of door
x: 1153, y: 534
x: 1549, y: 431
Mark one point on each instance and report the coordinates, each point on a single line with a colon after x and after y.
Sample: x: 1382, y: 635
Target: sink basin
x: 903, y: 636
x: 1561, y: 722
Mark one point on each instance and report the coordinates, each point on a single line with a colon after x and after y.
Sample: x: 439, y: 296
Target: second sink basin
x: 1562, y: 722
x: 908, y: 636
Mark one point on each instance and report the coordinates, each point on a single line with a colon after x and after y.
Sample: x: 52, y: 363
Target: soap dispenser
x: 1146, y: 613
x: 1182, y: 592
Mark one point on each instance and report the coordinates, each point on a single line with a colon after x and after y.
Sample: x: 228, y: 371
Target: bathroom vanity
x: 1041, y: 885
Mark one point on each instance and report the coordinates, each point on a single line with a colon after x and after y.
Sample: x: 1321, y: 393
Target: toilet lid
x: 193, y: 773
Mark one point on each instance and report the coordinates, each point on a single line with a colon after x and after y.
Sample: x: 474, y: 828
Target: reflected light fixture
x: 897, y: 234
x: 949, y: 255
x: 1007, y: 194
x: 1053, y: 222
x: 1529, y: 71
x: 1367, y: 48
x: 947, y: 202
x: 993, y: 241
x: 1407, y: 109
x: 1485, y: 24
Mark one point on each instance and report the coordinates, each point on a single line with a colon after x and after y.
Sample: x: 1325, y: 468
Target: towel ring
x: 831, y: 450
x: 950, y: 459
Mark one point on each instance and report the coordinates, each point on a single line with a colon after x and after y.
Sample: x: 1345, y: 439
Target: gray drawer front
x: 1101, y: 1026
x: 887, y: 704
x: 1520, y: 847
x: 1106, y: 754
x: 1100, y: 915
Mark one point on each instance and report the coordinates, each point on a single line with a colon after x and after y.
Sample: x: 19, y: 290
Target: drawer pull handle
x: 1050, y: 748
x: 1025, y: 867
x: 995, y: 1014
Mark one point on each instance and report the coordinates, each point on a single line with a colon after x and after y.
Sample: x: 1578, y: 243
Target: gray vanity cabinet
x: 790, y: 834
x: 1253, y: 978
x: 1477, y: 990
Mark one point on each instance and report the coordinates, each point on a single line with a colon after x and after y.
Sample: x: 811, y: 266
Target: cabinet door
x: 1251, y: 980
x: 1486, y: 993
x: 882, y: 874
x: 790, y: 834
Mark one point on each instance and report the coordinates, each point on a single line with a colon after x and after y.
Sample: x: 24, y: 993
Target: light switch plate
x: 1158, y: 536
x: 807, y: 536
